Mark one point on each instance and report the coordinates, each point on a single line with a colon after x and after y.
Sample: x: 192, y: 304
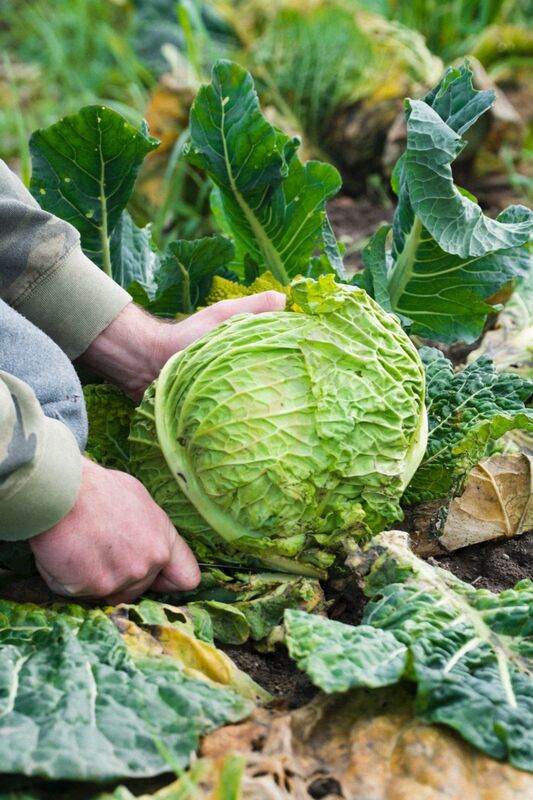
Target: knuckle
x: 160, y: 554
x: 104, y: 587
x: 137, y: 572
x: 273, y: 300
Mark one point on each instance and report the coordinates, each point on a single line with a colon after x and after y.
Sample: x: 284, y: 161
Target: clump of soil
x: 493, y: 565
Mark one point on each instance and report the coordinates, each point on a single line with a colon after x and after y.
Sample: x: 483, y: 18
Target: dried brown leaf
x: 497, y: 502
x: 362, y: 744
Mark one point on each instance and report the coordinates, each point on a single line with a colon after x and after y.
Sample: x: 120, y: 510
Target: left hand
x: 131, y: 351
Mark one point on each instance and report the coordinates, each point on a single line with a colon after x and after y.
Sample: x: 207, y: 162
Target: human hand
x: 131, y: 351
x: 114, y: 543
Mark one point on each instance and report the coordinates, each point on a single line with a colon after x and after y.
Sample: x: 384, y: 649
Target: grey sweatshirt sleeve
x: 45, y: 276
x: 40, y: 464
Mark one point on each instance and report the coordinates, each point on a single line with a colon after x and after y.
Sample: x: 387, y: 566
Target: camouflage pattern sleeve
x: 45, y: 276
x: 40, y: 464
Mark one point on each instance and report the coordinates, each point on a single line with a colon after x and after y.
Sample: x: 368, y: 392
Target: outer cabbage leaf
x: 338, y: 657
x: 86, y: 697
x: 287, y: 432
x: 83, y: 170
x: 468, y: 412
x: 110, y: 413
x: 247, y: 606
x: 447, y: 259
x: 469, y: 652
x: 148, y: 464
x: 265, y: 199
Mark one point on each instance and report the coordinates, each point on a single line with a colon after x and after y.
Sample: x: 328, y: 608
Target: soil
x: 354, y: 220
x: 493, y: 565
x: 276, y: 673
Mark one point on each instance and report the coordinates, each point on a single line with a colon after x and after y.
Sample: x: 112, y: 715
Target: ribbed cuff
x: 74, y: 303
x: 49, y: 491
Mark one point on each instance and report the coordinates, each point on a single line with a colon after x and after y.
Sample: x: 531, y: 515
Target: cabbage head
x: 276, y: 437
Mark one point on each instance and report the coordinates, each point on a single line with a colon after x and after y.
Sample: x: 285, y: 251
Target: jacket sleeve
x: 45, y: 276
x: 40, y: 464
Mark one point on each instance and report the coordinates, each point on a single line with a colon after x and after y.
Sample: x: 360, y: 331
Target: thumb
x: 181, y: 572
x: 253, y: 304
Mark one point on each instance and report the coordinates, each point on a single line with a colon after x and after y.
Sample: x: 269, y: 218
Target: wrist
x: 125, y: 353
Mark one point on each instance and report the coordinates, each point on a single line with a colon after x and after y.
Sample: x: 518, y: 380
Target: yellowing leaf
x: 361, y: 745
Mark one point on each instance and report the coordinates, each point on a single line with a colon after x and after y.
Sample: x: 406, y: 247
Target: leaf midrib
x: 270, y: 254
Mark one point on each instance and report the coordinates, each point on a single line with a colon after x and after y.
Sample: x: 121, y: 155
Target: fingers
x: 163, y: 585
x: 182, y: 572
x: 182, y: 334
x: 254, y: 304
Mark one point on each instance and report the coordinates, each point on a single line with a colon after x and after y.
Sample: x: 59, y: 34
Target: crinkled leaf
x: 148, y: 464
x: 471, y: 651
x: 338, y: 657
x: 467, y: 412
x: 447, y: 259
x: 85, y: 697
x: 110, y: 413
x: 83, y: 170
x: 271, y: 204
x: 250, y: 606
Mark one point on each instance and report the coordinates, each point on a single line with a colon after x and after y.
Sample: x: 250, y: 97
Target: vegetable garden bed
x: 397, y: 647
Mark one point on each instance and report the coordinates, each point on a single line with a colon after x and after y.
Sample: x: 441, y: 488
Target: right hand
x: 115, y: 543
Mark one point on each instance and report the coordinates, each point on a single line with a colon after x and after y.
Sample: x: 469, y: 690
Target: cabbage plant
x: 275, y: 437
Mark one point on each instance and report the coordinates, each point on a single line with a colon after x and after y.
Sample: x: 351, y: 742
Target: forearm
x: 40, y: 464
x: 45, y: 275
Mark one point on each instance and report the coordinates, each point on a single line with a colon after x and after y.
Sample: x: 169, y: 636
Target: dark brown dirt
x: 275, y: 672
x: 493, y: 565
x: 354, y: 220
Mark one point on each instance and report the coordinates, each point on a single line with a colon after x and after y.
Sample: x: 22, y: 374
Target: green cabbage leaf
x: 271, y: 204
x: 469, y: 651
x: 468, y: 412
x: 83, y: 170
x: 86, y: 695
x: 448, y: 260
